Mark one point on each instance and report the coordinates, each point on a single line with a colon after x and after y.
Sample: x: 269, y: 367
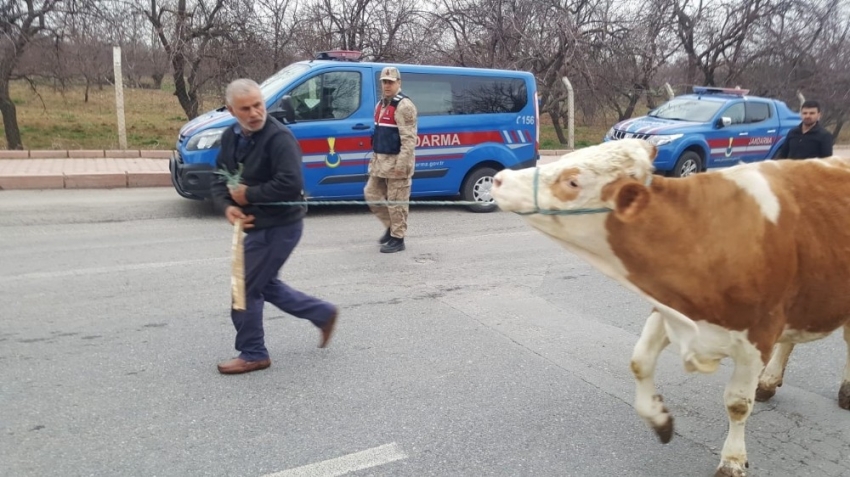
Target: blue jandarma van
x: 472, y: 123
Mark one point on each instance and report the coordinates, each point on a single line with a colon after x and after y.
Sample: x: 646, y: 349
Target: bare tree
x: 383, y: 30
x: 537, y: 36
x: 192, y: 29
x: 810, y: 54
x: 20, y: 23
x: 280, y: 18
x: 615, y: 53
x: 625, y: 64
x: 714, y: 33
x: 86, y: 50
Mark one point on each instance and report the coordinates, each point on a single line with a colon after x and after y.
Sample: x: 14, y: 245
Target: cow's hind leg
x: 844, y: 392
x: 739, y: 395
x: 648, y: 403
x: 771, y: 377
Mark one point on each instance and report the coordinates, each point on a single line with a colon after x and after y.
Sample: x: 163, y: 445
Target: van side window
x: 757, y: 112
x: 334, y: 95
x: 437, y: 95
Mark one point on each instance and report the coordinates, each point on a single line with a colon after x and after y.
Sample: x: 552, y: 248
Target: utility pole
x: 119, y: 97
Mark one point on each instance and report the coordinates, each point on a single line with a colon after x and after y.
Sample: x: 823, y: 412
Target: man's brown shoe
x: 328, y: 329
x: 239, y: 366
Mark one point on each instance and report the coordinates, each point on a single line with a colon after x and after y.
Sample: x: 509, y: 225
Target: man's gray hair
x: 239, y: 87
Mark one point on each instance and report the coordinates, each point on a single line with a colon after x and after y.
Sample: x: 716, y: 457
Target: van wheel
x: 688, y: 164
x: 476, y: 188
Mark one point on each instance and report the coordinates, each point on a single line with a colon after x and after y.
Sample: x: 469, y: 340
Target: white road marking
x: 347, y: 463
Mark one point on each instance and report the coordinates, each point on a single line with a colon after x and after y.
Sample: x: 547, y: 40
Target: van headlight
x: 610, y: 134
x: 205, y: 139
x: 661, y: 140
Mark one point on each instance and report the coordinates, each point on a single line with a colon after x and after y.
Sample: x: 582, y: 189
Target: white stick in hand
x: 237, y: 276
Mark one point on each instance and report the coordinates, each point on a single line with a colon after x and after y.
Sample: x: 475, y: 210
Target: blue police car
x: 713, y: 127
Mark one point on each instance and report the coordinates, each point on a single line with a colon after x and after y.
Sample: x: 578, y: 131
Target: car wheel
x: 476, y: 188
x: 689, y: 163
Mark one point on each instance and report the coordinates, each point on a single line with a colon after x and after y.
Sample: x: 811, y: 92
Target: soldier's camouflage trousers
x: 394, y: 217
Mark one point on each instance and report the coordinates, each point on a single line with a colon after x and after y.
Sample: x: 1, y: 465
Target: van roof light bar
x: 339, y: 55
x: 714, y: 90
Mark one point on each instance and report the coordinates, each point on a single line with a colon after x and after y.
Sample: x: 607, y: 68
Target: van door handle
x: 771, y: 131
x: 744, y: 134
x: 361, y: 126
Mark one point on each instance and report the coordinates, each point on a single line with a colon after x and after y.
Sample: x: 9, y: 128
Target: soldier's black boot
x: 385, y: 238
x: 394, y: 245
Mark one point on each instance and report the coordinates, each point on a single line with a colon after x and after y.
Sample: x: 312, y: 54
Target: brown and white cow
x: 742, y: 263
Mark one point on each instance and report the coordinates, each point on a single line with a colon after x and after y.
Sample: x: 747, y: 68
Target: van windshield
x: 700, y: 110
x: 274, y: 83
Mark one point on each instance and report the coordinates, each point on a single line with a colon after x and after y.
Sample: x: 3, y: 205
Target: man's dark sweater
x: 271, y: 159
x: 814, y: 143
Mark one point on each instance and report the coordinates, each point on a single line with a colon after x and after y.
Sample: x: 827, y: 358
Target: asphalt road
x: 484, y: 349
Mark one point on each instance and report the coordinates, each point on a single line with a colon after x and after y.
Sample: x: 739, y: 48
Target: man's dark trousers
x: 266, y: 250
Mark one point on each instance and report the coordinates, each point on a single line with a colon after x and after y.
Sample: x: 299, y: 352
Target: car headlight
x: 205, y: 139
x: 661, y: 140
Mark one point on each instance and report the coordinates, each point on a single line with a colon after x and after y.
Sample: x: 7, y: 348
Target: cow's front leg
x: 771, y: 377
x: 648, y: 403
x: 739, y: 395
x: 844, y: 392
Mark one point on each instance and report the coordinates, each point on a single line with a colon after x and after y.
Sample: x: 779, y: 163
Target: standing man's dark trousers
x: 266, y: 250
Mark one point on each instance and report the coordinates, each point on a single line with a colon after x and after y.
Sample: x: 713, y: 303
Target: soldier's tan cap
x: 390, y: 73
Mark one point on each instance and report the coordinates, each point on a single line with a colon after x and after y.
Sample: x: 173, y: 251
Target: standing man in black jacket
x: 271, y: 161
x: 809, y: 140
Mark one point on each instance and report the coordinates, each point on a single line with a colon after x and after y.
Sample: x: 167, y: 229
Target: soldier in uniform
x: 393, y: 161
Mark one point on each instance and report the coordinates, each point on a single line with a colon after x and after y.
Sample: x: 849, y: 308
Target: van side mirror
x: 724, y: 121
x: 288, y: 109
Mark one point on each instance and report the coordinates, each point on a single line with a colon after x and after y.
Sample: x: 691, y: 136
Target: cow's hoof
x: 844, y: 396
x: 764, y: 394
x: 665, y: 431
x: 731, y: 469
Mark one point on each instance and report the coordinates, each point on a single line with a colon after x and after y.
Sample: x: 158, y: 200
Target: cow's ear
x: 630, y: 200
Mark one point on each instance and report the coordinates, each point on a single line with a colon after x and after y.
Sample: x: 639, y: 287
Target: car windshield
x: 274, y: 83
x: 699, y: 110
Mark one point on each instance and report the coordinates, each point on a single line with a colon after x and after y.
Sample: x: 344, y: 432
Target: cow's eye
x: 573, y: 183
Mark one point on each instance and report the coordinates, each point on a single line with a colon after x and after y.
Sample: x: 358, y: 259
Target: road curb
x: 149, y: 179
x: 87, y: 154
x: 96, y: 180
x: 33, y: 181
x: 86, y: 180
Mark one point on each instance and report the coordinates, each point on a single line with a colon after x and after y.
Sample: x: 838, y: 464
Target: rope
x: 233, y: 180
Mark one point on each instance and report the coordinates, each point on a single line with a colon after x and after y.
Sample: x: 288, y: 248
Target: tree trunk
x: 88, y: 84
x: 558, y: 130
x: 10, y: 118
x: 187, y: 100
x: 630, y: 108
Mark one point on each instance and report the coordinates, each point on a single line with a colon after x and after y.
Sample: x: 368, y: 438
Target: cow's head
x: 610, y: 176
